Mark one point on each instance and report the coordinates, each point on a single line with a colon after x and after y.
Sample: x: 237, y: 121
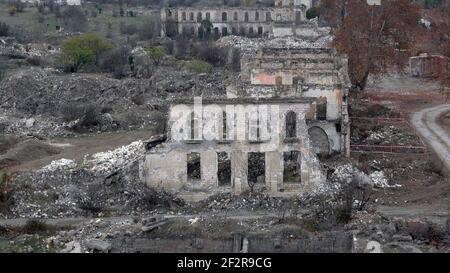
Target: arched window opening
x: 224, y: 16
x: 291, y: 124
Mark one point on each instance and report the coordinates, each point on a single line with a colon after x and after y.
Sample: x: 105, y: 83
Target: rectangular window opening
x: 291, y: 165
x: 223, y: 169
x: 256, y: 168
x: 194, y: 167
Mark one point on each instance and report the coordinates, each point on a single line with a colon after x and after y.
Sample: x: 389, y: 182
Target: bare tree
x: 374, y: 37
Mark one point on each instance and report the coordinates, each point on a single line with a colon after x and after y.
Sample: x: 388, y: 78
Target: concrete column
x: 274, y: 171
x: 239, y: 171
x: 208, y: 161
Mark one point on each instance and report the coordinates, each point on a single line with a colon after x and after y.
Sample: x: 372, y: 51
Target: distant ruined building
x: 287, y: 17
x: 288, y: 108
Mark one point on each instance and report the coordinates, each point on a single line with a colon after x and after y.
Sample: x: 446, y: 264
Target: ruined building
x: 318, y: 73
x: 287, y: 17
x: 288, y: 107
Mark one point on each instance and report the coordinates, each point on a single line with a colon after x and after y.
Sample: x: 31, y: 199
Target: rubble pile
x: 61, y: 103
x: 250, y: 201
x: 9, y: 47
x: 105, y: 183
x: 61, y: 164
x: 391, y: 135
x: 347, y: 172
x: 384, y: 135
x: 106, y: 162
x: 250, y: 46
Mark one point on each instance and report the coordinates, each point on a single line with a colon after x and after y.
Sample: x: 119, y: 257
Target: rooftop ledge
x: 247, y: 100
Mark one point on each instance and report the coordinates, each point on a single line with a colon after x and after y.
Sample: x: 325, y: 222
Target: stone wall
x: 243, y: 21
x: 308, y: 73
x: 166, y: 166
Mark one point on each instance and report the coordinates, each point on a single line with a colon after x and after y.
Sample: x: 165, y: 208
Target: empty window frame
x: 224, y: 31
x: 194, y: 167
x: 291, y: 124
x: 260, y: 31
x: 224, y: 125
x: 223, y: 169
x: 224, y: 16
x: 291, y: 167
x: 256, y: 168
x: 193, y: 125
x: 321, y: 109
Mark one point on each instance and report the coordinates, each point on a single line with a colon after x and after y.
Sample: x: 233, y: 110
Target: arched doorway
x: 319, y: 141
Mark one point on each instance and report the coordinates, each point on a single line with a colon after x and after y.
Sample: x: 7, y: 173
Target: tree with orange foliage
x: 375, y: 38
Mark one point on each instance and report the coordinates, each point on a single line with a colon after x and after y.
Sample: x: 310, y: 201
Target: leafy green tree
x: 83, y: 50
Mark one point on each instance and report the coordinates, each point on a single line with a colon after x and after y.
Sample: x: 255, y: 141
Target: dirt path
x: 438, y: 137
x: 76, y: 148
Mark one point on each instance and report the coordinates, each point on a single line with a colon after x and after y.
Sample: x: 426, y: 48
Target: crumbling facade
x: 235, y: 145
x: 285, y: 18
x: 318, y: 73
x: 288, y: 107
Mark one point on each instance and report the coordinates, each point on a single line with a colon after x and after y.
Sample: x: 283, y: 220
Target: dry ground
x: 425, y: 192
x: 77, y: 148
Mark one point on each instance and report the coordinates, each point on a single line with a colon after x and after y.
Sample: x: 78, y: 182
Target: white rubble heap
x: 27, y: 50
x: 346, y: 172
x: 61, y: 164
x: 103, y: 162
x: 112, y: 160
x: 249, y: 46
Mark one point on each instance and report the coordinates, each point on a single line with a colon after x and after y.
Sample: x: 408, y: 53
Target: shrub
x: 88, y: 115
x: 198, y: 66
x: 33, y: 226
x: 180, y: 48
x: 210, y: 53
x: 83, y: 50
x: 149, y: 29
x: 5, y: 191
x: 115, y: 61
x: 4, y: 29
x: 425, y: 231
x: 3, y: 69
x: 35, y: 60
x: 128, y: 29
x: 312, y: 13
x: 12, y: 10
x: 74, y: 19
x: 19, y: 5
x: 236, y: 60
x: 157, y: 53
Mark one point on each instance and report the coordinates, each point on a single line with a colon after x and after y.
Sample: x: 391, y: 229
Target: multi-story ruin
x: 318, y: 73
x: 287, y: 17
x: 288, y: 107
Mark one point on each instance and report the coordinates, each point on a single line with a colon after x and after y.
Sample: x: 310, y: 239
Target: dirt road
x: 77, y: 148
x: 437, y: 136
